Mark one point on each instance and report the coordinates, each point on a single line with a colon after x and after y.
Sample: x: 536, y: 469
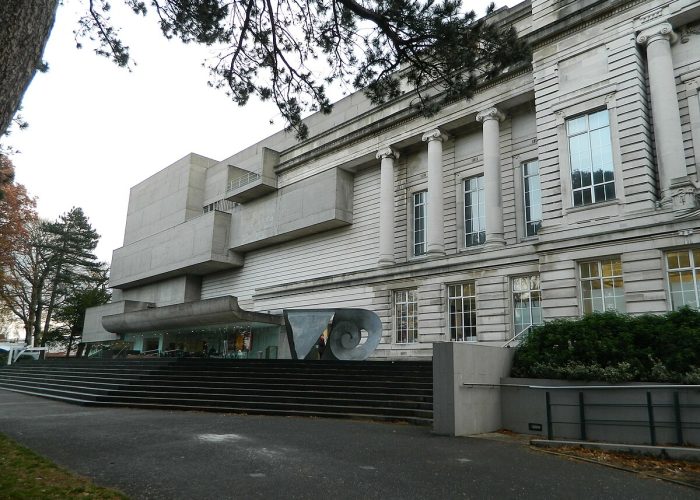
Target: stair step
x: 370, y: 390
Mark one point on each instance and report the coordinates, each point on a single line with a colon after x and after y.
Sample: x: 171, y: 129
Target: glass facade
x: 590, y: 151
x: 602, y: 288
x: 474, y: 212
x: 461, y: 301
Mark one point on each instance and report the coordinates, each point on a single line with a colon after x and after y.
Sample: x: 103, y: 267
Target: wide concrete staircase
x: 376, y: 390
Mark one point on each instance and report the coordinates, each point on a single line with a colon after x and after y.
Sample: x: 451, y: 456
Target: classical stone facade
x: 567, y: 186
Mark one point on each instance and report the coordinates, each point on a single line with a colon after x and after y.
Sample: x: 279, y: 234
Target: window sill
x: 590, y: 214
x: 529, y: 239
x: 590, y: 206
x: 472, y: 249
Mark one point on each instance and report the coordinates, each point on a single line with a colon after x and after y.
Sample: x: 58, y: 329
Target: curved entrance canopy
x: 220, y: 310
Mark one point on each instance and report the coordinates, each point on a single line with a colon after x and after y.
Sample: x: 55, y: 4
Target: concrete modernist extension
x: 568, y: 185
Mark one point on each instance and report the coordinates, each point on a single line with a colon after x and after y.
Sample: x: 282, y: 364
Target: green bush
x: 615, y: 348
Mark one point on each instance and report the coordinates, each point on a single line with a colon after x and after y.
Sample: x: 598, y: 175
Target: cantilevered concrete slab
x: 313, y: 205
x: 196, y: 247
x: 217, y: 311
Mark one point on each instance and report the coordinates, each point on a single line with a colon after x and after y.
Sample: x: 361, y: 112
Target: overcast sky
x: 95, y: 129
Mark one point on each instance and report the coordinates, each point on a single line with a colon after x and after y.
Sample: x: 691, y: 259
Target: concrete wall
x: 197, y: 246
x: 166, y: 292
x: 460, y: 410
x: 167, y: 198
x: 93, y: 330
x: 522, y: 406
x: 313, y: 205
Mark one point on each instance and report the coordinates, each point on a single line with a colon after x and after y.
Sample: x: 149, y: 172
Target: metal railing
x: 584, y: 402
x: 242, y: 181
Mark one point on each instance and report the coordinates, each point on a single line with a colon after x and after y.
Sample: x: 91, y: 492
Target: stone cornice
x: 579, y: 21
x: 399, y: 118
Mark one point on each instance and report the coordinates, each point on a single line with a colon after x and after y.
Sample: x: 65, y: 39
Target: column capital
x: 662, y: 31
x: 490, y: 114
x: 435, y: 135
x: 387, y: 152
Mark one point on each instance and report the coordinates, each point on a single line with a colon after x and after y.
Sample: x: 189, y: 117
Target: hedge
x: 615, y: 348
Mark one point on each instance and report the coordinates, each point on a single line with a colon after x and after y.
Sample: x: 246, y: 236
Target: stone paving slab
x: 151, y: 454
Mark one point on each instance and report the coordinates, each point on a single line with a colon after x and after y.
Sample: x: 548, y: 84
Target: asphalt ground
x: 152, y: 454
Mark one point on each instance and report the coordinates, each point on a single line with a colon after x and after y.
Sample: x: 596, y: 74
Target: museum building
x: 566, y: 186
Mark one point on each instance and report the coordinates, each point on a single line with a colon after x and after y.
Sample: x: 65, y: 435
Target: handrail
x: 581, y: 387
x: 507, y: 344
x: 241, y: 181
x: 98, y: 351
x: 170, y: 351
x: 121, y: 351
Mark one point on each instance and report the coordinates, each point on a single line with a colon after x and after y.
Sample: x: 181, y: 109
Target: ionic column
x: 490, y: 119
x: 435, y: 226
x: 664, y: 106
x: 386, y: 206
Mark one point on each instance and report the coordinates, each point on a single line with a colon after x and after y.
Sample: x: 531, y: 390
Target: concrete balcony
x: 196, y: 247
x: 310, y: 206
x: 246, y: 185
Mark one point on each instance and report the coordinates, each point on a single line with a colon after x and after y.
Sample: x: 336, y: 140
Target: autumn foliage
x: 17, y: 210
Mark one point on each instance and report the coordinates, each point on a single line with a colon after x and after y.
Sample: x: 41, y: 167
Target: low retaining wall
x: 620, y: 413
x: 457, y: 409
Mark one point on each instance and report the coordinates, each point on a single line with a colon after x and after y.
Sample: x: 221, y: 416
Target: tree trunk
x: 73, y: 334
x: 54, y: 294
x: 25, y: 27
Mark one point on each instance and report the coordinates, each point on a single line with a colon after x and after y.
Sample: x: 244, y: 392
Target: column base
x: 435, y: 251
x: 385, y: 261
x: 683, y: 195
x: 495, y: 242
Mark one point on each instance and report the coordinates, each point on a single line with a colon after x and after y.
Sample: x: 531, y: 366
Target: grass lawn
x: 24, y: 474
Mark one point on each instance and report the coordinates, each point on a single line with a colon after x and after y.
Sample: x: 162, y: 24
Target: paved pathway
x: 160, y: 454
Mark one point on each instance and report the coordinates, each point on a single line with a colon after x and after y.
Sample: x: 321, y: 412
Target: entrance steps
x: 376, y: 390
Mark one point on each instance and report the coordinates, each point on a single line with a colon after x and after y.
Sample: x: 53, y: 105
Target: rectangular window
x: 527, y: 303
x: 406, y: 316
x: 419, y: 212
x: 590, y: 150
x: 683, y: 278
x: 602, y: 288
x: 474, y: 212
x: 532, y: 197
x: 461, y: 302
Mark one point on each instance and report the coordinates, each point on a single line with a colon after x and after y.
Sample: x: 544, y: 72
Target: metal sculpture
x: 353, y: 333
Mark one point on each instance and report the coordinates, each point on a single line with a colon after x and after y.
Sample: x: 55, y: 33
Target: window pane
x: 599, y: 119
x: 577, y: 125
x: 419, y: 219
x: 602, y: 286
x: 590, y: 151
x: 462, y: 305
x: 527, y: 309
x: 405, y: 316
x: 683, y: 278
x: 474, y: 212
x: 532, y: 198
x: 580, y: 154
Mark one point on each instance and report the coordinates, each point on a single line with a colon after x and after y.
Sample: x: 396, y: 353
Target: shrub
x: 614, y: 347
